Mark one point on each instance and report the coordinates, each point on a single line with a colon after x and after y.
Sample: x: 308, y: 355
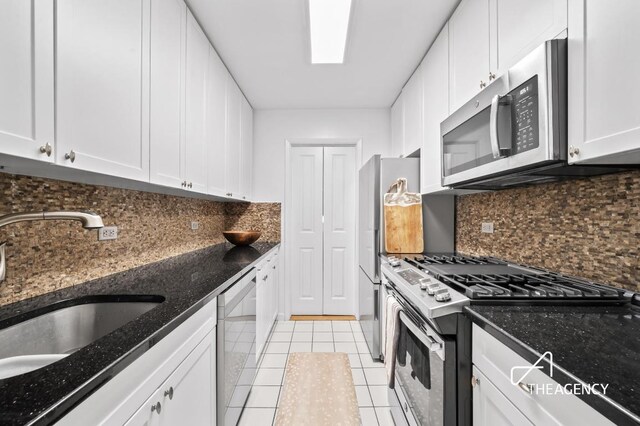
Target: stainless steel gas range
x: 433, y: 365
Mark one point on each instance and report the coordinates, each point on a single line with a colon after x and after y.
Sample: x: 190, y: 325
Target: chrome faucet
x: 89, y: 220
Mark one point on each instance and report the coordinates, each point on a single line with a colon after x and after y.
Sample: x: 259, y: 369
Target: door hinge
x: 322, y: 218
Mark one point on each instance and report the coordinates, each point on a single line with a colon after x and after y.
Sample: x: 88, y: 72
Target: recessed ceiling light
x: 328, y: 22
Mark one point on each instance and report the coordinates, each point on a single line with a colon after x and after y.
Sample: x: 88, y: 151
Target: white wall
x: 273, y: 127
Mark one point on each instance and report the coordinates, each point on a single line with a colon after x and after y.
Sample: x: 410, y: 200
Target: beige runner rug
x: 318, y: 390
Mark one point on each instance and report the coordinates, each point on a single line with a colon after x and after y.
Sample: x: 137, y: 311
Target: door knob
x: 46, y: 149
x: 71, y: 155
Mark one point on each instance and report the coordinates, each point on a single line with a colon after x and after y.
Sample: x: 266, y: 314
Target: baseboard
x: 323, y: 318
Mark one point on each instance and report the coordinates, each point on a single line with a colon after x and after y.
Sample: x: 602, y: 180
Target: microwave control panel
x: 524, y: 109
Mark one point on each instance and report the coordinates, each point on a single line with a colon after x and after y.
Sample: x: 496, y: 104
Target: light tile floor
x: 318, y: 336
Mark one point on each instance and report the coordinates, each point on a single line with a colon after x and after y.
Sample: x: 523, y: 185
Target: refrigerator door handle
x: 376, y: 254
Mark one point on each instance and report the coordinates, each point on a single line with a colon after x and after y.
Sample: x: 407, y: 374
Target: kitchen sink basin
x: 49, y: 337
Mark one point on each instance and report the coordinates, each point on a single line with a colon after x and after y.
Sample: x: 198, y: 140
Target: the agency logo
x: 521, y: 377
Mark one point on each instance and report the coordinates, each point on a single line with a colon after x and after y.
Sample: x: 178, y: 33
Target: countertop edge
x: 601, y: 403
x: 69, y: 401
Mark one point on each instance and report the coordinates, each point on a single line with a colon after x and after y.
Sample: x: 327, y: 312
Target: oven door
x: 420, y: 375
x: 518, y: 122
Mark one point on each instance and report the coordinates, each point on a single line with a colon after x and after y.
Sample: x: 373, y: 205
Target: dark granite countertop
x: 594, y: 344
x: 186, y: 283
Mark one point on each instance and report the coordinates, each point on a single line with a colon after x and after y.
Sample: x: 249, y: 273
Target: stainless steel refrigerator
x: 376, y: 176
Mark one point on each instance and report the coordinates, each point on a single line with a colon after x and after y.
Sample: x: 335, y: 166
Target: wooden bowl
x: 241, y: 238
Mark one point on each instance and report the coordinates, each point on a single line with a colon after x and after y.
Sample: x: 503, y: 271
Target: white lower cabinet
x: 188, y: 395
x: 267, y: 300
x: 497, y: 401
x: 173, y: 383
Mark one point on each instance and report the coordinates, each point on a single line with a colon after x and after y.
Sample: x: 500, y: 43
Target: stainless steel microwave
x: 515, y: 130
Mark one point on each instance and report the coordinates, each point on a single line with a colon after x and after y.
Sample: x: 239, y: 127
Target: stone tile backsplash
x: 588, y: 228
x: 45, y: 256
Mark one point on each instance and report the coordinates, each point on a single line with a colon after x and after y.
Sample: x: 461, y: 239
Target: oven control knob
x: 442, y: 295
x: 394, y: 262
x: 433, y: 288
x: 424, y: 282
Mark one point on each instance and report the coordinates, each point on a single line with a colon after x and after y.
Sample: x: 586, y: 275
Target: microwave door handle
x: 496, y: 102
x: 493, y: 126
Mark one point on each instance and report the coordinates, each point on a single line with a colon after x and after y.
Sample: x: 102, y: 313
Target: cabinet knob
x: 169, y: 392
x: 492, y: 76
x: 71, y: 155
x: 474, y: 381
x: 156, y: 408
x: 229, y: 194
x: 482, y: 84
x: 46, y: 149
x: 573, y: 151
x: 525, y: 387
x: 190, y: 185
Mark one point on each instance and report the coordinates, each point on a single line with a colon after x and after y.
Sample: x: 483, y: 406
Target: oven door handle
x: 432, y: 344
x: 494, y: 137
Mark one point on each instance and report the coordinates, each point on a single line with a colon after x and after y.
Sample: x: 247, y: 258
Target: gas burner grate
x: 528, y: 286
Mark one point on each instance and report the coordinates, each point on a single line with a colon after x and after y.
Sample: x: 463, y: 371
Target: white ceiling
x: 265, y: 45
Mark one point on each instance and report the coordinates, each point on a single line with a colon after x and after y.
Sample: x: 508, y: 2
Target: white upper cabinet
x: 519, y: 26
x: 102, y: 86
x: 196, y: 101
x: 604, y: 96
x: 246, y: 149
x: 412, y: 98
x: 486, y: 37
x: 167, y: 106
x: 26, y: 79
x: 435, y: 75
x: 397, y: 127
x: 234, y: 135
x: 468, y: 51
x: 216, y: 124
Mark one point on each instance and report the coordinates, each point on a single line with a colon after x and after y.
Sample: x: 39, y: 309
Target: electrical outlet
x: 487, y: 227
x: 108, y: 233
x: 195, y: 226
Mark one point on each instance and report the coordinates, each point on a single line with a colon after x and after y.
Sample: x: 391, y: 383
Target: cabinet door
x: 26, y: 78
x: 196, y: 138
x: 275, y: 284
x: 412, y: 100
x: 491, y: 407
x: 468, y: 51
x: 216, y: 124
x: 519, y: 26
x: 189, y: 394
x: 167, y: 107
x: 102, y: 86
x: 397, y: 127
x: 246, y: 149
x: 262, y: 308
x: 234, y: 132
x: 604, y: 97
x: 435, y: 75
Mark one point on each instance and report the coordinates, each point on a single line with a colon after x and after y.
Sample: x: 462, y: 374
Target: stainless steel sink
x: 61, y: 332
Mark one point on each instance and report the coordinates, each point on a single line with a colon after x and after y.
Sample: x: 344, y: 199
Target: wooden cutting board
x: 403, y: 229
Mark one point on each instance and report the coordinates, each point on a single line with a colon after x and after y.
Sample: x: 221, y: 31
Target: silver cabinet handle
x: 71, y: 155
x: 525, y: 387
x: 474, y: 381
x: 157, y: 408
x: 229, y: 194
x: 46, y: 149
x: 183, y: 184
x: 482, y: 84
x: 190, y: 185
x: 169, y: 392
x: 492, y: 76
x: 573, y: 151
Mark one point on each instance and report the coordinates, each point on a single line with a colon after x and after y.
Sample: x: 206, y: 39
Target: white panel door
x: 234, y: 135
x: 196, y: 110
x: 339, y: 230
x: 604, y: 94
x: 435, y: 74
x: 246, y: 148
x: 468, y: 51
x: 216, y: 124
x: 306, y: 227
x: 167, y: 107
x: 26, y: 78
x: 412, y: 107
x: 102, y: 86
x: 519, y: 26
